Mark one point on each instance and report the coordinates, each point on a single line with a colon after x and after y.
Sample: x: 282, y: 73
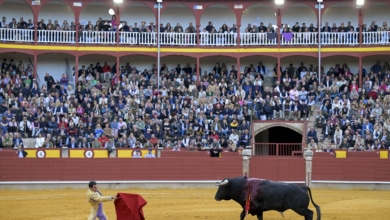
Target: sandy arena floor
x: 184, y: 204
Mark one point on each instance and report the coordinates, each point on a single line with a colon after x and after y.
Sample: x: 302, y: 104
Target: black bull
x: 266, y: 195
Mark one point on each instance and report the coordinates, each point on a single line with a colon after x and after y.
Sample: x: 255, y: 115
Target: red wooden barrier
x: 278, y: 168
x: 168, y: 153
x: 66, y: 169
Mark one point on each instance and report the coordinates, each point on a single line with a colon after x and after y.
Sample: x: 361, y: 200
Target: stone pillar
x: 112, y: 154
x: 308, y: 155
x: 64, y: 153
x: 246, y: 155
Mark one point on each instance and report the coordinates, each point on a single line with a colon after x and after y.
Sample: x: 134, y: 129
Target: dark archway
x: 278, y: 141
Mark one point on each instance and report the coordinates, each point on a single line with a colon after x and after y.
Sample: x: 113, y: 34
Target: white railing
x: 253, y: 39
x: 97, y: 37
x: 16, y: 35
x: 379, y: 37
x: 218, y: 39
x: 180, y: 39
x: 303, y: 38
x: 130, y: 38
x: 191, y: 39
x: 147, y: 38
x: 54, y: 36
x: 337, y: 38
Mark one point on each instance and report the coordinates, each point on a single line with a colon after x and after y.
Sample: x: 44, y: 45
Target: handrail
x: 276, y: 149
x: 191, y: 39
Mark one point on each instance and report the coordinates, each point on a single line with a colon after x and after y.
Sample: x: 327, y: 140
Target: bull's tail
x: 318, y: 209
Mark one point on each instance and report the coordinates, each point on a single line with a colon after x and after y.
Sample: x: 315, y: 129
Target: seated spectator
x: 150, y: 154
x: 312, y: 134
x: 344, y: 144
x: 17, y: 141
x: 39, y: 141
x: 96, y: 143
x: 338, y: 136
x: 7, y: 141
x: 48, y: 142
x: 234, y: 137
x: 312, y: 145
x: 215, y: 151
x: 245, y: 138
x: 72, y: 143
x: 84, y: 143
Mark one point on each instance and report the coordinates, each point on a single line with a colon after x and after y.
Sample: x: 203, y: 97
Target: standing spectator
x: 64, y: 80
x: 106, y: 72
x: 49, y: 80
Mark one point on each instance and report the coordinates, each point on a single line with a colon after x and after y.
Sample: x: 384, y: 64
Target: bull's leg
x: 305, y: 212
x: 242, y: 216
x: 259, y: 215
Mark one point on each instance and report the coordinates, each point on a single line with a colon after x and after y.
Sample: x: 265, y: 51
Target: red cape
x: 129, y: 206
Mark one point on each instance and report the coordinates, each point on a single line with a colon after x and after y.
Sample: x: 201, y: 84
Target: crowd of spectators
x: 128, y: 110
x: 353, y: 117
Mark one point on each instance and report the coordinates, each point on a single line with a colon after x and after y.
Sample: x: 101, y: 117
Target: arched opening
x: 278, y: 140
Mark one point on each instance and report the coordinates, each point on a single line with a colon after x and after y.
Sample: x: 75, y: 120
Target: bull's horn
x: 224, y: 182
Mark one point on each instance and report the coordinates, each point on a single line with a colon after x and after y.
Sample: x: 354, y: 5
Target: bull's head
x: 223, y: 192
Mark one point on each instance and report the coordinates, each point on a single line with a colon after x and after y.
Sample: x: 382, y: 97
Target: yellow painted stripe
x: 128, y: 153
x: 384, y: 154
x: 100, y: 154
x: 76, y: 153
x: 123, y: 153
x: 31, y: 153
x: 90, y: 48
x: 54, y: 153
x: 341, y: 154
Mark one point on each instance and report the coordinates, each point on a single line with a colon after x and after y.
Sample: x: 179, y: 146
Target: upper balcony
x: 272, y: 39
x: 221, y: 24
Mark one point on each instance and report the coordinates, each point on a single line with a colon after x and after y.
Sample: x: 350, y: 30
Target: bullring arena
x: 294, y: 91
x: 189, y: 193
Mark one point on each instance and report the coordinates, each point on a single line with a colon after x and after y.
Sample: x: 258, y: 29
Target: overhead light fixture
x: 159, y: 1
x: 320, y: 1
x: 279, y: 2
x: 111, y: 11
x: 118, y: 1
x: 359, y: 2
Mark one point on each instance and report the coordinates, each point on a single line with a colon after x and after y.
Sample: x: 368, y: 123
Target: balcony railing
x: 61, y: 37
x: 193, y: 39
x: 274, y: 149
x: 16, y: 35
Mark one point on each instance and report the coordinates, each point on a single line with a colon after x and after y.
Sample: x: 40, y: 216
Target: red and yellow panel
x: 132, y: 153
x: 43, y: 153
x: 88, y: 153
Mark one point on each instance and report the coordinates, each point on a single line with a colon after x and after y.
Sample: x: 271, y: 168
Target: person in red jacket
x: 103, y: 139
x: 106, y: 72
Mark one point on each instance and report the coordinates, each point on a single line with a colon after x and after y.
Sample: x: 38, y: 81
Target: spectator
x: 312, y: 134
x: 312, y: 145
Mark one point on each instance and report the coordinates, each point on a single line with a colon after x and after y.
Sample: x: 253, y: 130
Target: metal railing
x: 194, y: 39
x: 275, y: 149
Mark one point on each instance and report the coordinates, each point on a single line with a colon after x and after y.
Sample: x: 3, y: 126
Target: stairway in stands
x: 312, y: 123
